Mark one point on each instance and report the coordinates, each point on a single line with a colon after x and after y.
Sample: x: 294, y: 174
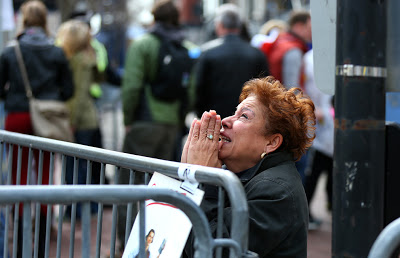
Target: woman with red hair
x: 271, y: 129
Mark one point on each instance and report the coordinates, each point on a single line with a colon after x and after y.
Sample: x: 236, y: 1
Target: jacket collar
x: 231, y: 36
x: 269, y: 161
x: 35, y: 36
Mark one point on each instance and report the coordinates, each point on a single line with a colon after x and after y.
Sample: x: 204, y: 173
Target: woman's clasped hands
x: 202, y: 144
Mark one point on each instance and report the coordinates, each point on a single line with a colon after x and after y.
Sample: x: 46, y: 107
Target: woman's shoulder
x: 144, y: 46
x: 145, y: 40
x: 282, y: 178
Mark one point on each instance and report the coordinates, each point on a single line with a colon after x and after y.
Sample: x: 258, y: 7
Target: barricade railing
x: 387, y: 242
x: 110, y: 194
x: 226, y: 181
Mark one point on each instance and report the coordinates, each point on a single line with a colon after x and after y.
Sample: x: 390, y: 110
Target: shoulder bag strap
x: 22, y: 69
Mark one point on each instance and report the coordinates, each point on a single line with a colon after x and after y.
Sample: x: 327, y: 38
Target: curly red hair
x: 287, y: 112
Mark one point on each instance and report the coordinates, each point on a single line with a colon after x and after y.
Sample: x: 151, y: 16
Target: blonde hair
x: 34, y: 14
x: 271, y: 24
x: 73, y: 36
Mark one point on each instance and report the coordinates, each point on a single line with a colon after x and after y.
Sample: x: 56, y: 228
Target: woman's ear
x: 274, y: 141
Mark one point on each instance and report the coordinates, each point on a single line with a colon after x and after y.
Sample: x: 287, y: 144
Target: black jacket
x: 223, y: 67
x: 47, y: 67
x: 278, y: 208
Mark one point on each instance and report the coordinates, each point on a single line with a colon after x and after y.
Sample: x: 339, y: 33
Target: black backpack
x: 174, y: 67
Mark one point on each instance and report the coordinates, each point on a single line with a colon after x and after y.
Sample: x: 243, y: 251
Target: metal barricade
x: 116, y: 194
x: 226, y: 181
x: 387, y: 242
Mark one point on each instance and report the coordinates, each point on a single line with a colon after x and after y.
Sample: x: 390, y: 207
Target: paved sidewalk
x: 320, y: 240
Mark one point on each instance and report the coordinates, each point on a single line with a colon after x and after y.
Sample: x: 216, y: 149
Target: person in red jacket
x: 285, y: 59
x: 285, y: 55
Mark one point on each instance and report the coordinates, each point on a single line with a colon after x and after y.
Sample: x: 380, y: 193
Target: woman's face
x: 243, y: 137
x: 150, y: 237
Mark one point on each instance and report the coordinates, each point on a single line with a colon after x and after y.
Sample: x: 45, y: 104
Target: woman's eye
x: 245, y: 116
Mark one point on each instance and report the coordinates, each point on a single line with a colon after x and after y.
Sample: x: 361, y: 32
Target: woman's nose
x: 226, y: 122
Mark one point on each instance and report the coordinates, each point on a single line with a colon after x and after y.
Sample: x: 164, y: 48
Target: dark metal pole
x: 359, y: 160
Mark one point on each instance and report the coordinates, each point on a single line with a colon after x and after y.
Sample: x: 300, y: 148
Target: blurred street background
x: 118, y: 22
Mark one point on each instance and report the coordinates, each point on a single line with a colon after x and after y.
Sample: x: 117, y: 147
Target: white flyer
x: 167, y: 227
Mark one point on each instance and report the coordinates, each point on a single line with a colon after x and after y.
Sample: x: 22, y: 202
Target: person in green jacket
x: 153, y: 126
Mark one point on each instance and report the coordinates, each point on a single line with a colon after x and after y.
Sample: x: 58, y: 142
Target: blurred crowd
x: 77, y: 58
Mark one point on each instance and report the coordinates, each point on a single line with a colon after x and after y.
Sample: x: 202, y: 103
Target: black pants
x: 319, y: 163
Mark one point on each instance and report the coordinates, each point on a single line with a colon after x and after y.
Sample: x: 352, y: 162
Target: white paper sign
x: 167, y: 227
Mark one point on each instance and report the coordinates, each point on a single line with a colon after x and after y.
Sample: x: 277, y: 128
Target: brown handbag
x: 50, y: 118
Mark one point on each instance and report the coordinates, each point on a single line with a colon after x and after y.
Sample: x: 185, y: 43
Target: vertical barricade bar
x: 73, y: 211
x: 86, y: 230
x: 221, y: 203
x: 100, y: 214
x: 5, y: 235
x: 37, y: 211
x: 16, y: 208
x: 27, y: 229
x: 29, y: 171
x: 129, y: 208
x: 61, y: 208
x: 142, y: 228
x: 49, y: 207
x: 8, y: 207
x: 85, y: 215
x: 114, y: 219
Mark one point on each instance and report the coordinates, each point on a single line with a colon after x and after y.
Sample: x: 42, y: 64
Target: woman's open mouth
x: 224, y: 139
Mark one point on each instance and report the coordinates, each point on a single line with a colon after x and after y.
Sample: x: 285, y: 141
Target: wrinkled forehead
x: 252, y: 103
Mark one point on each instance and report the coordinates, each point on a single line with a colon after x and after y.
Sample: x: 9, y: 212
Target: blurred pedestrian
x: 105, y: 88
x: 153, y: 125
x: 225, y: 64
x: 267, y: 35
x: 285, y: 58
x: 50, y: 78
x: 102, y: 57
x: 74, y: 37
x: 320, y: 155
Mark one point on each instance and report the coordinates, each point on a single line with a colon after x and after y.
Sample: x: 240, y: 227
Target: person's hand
x: 201, y: 147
